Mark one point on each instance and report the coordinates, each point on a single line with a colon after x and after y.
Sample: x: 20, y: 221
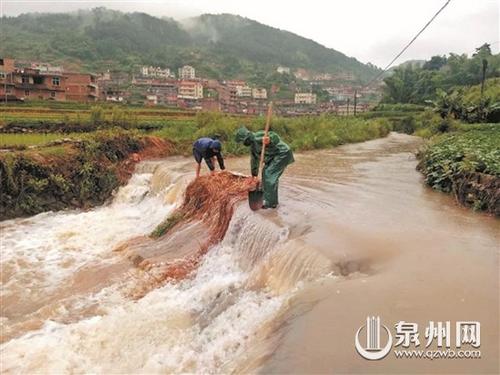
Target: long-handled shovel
x: 256, y: 197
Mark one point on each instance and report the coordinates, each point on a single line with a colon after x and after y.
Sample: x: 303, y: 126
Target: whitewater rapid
x: 208, y: 322
x: 43, y: 250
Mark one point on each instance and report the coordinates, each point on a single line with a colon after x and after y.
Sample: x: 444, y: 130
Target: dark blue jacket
x: 202, y: 150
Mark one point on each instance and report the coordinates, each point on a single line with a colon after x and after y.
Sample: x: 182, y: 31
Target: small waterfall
x: 273, y: 260
x: 45, y: 255
x: 290, y: 265
x: 252, y: 237
x: 207, y: 322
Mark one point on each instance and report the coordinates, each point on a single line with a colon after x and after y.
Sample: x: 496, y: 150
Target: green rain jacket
x: 275, y: 150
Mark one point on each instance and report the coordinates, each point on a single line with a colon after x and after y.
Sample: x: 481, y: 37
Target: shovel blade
x: 256, y: 199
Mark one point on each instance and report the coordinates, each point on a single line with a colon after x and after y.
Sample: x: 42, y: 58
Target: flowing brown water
x: 356, y: 234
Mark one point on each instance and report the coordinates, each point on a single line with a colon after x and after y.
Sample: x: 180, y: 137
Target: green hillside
x: 217, y: 45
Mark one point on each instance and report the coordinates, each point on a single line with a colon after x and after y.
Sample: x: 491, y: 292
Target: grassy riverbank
x: 304, y: 133
x: 79, y: 174
x: 467, y: 164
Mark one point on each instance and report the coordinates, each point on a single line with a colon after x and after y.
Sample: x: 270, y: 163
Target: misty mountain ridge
x: 218, y: 46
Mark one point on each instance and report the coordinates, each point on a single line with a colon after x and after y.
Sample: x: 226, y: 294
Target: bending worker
x: 277, y: 157
x: 208, y: 149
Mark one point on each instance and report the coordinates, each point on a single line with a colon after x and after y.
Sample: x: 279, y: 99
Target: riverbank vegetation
x: 304, y: 133
x: 80, y: 174
x: 46, y: 117
x: 466, y: 163
x: 420, y: 83
x: 454, y: 103
x: 456, y: 86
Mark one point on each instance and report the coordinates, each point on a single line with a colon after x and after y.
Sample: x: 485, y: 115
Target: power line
x: 409, y: 44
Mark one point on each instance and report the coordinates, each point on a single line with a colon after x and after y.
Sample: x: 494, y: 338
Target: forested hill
x: 217, y: 45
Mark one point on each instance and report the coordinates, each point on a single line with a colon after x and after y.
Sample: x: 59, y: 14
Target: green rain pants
x: 271, y: 175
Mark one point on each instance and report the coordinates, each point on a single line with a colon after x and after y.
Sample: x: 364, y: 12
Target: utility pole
x: 355, y: 100
x: 5, y: 88
x: 485, y: 66
x: 481, y: 102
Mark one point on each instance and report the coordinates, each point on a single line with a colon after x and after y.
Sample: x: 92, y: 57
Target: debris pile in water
x: 209, y: 199
x: 212, y: 199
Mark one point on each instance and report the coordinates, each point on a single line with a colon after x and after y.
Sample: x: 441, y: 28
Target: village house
x: 210, y: 105
x: 165, y: 91
x: 228, y: 99
x: 234, y: 83
x: 322, y: 77
x: 113, y: 95
x: 187, y: 72
x: 30, y: 84
x: 81, y: 87
x: 244, y: 91
x: 345, y: 76
x: 305, y: 98
x: 151, y: 100
x: 226, y: 94
x: 41, y: 81
x: 259, y: 93
x: 283, y: 69
x: 302, y: 74
x: 6, y: 66
x: 191, y: 90
x: 112, y: 86
x: 156, y: 72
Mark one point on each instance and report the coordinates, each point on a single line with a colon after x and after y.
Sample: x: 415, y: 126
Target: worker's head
x: 216, y: 146
x: 245, y: 136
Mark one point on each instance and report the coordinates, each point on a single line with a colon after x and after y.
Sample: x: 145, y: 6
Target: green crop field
x: 32, y: 139
x: 475, y: 150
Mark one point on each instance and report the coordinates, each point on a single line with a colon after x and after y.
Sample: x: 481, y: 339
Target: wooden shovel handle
x: 266, y: 132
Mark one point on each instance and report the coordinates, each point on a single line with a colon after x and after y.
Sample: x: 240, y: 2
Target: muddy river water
x: 357, y: 234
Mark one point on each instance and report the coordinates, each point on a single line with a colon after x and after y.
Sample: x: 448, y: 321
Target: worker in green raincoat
x: 277, y: 157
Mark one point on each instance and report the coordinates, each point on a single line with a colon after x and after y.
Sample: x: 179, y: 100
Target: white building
x: 259, y: 93
x: 305, y: 98
x: 283, y: 69
x: 187, y: 72
x: 151, y: 99
x: 191, y: 90
x: 114, y: 98
x: 243, y: 91
x: 155, y: 72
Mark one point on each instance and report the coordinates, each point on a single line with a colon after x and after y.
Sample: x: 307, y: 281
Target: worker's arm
x: 220, y: 160
x: 254, y: 164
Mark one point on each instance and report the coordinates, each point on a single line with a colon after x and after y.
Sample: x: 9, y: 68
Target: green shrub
x: 449, y: 155
x: 304, y: 133
x: 85, y: 177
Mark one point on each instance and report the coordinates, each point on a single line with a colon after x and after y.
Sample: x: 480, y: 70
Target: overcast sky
x: 370, y: 30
